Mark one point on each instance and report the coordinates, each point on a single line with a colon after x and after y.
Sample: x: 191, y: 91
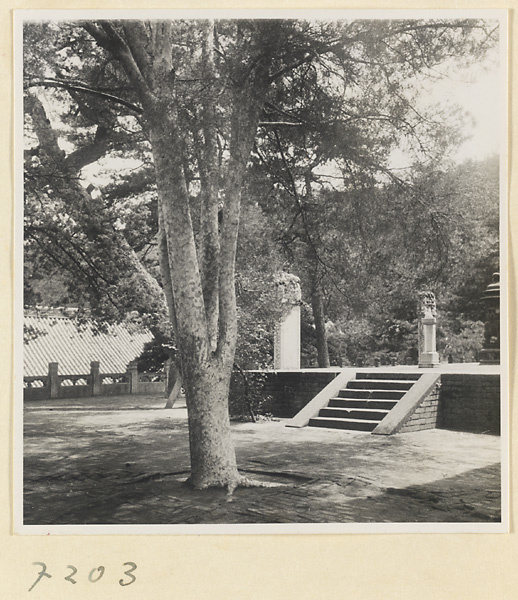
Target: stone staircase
x: 365, y: 401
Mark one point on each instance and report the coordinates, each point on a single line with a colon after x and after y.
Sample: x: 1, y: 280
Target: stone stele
x: 287, y: 331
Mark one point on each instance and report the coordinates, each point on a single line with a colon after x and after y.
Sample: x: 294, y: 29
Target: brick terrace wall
x: 290, y: 391
x: 470, y: 403
x: 427, y: 414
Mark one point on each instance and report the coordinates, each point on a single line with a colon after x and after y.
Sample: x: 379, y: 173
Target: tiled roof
x: 60, y: 339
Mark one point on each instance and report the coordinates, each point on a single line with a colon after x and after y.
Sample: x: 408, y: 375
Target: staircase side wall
x: 405, y: 409
x: 426, y: 415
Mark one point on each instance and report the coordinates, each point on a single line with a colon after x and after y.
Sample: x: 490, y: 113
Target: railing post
x: 95, y: 378
x: 53, y: 380
x: 133, y: 377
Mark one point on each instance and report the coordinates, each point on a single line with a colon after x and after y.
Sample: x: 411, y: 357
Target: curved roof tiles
x: 74, y: 346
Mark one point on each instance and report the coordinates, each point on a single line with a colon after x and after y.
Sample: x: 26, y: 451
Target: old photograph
x: 262, y: 272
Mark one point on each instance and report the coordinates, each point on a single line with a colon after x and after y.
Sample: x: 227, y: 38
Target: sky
x: 481, y: 99
x: 477, y: 90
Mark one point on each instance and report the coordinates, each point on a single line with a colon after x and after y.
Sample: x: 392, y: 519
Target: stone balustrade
x: 53, y: 385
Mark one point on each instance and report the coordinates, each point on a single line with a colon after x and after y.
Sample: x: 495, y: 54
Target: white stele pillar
x: 428, y: 355
x: 286, y: 351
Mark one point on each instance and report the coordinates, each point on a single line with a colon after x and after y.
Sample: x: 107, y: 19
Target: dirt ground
x: 123, y: 460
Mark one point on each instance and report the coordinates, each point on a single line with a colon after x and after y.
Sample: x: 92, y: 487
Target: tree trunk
x: 213, y: 459
x: 205, y: 378
x: 199, y: 287
x: 317, y: 305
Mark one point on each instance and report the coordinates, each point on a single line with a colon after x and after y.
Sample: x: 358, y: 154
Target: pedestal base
x: 429, y: 359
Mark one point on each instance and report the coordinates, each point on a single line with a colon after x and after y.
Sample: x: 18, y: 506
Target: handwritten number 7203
x: 93, y: 576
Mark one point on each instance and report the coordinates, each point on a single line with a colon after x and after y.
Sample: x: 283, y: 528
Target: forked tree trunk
x: 199, y: 287
x: 206, y: 378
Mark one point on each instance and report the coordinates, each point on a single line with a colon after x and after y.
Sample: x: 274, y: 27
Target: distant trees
x: 188, y: 105
x: 439, y: 232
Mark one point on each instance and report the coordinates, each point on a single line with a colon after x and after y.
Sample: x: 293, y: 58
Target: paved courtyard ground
x: 123, y: 460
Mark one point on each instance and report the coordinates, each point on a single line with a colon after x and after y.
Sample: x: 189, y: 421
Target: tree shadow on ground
x: 162, y: 498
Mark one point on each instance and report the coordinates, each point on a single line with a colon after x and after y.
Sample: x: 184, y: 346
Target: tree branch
x: 78, y: 87
x: 108, y: 38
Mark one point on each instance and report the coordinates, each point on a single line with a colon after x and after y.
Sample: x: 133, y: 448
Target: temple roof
x: 74, y: 345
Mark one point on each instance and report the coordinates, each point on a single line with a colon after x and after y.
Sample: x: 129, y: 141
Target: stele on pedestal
x: 428, y: 355
x: 287, y: 331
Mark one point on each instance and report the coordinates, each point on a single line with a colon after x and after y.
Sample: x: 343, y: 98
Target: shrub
x: 248, y: 396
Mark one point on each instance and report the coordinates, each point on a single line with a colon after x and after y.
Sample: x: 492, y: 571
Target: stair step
x: 365, y: 401
x: 377, y: 394
x: 379, y: 384
x: 353, y: 424
x: 361, y: 403
x: 395, y: 375
x: 370, y: 414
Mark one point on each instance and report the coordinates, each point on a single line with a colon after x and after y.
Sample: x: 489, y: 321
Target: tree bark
x: 317, y: 298
x: 317, y: 305
x: 208, y: 165
x: 213, y: 459
x: 206, y: 379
